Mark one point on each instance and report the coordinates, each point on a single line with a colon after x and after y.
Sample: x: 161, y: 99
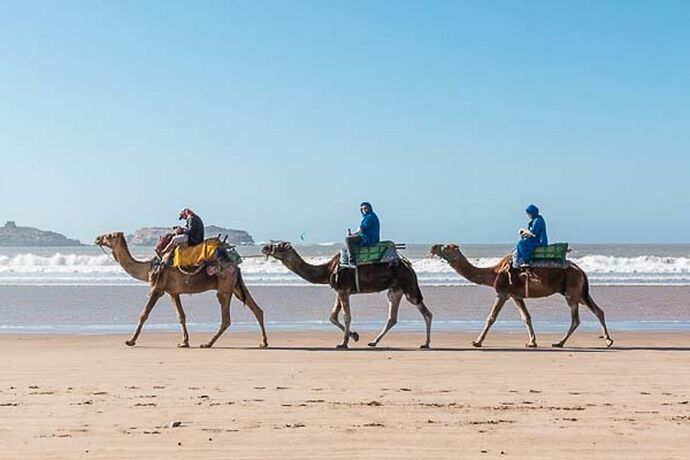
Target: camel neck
x: 316, y: 274
x: 478, y: 275
x: 135, y: 268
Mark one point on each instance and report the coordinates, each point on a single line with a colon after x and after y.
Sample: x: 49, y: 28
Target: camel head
x: 110, y: 240
x: 445, y: 252
x: 279, y: 250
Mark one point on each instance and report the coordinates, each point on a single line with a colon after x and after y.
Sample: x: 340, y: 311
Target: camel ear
x: 454, y: 247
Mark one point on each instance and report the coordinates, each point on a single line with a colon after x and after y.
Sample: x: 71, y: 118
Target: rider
x: 368, y: 233
x: 531, y: 238
x: 191, y: 234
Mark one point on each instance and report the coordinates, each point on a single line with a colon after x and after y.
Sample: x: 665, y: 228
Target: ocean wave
x: 62, y: 268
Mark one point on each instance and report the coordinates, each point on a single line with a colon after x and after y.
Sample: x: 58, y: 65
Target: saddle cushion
x: 190, y: 256
x: 552, y: 252
x: 374, y: 253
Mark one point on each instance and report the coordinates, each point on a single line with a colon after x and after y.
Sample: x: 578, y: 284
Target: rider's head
x: 365, y: 207
x: 532, y: 211
x: 185, y: 213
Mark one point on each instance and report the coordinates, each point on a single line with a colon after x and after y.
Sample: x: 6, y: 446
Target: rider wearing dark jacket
x: 194, y: 227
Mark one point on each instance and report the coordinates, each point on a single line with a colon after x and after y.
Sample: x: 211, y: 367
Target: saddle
x: 550, y: 256
x: 214, y: 255
x: 381, y: 252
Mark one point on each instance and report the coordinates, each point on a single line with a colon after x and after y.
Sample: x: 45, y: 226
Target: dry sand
x: 92, y: 397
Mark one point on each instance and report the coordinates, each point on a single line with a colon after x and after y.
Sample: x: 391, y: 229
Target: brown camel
x: 174, y: 282
x: 570, y: 282
x: 399, y: 280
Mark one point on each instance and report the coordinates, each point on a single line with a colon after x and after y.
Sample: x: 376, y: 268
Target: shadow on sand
x: 485, y: 349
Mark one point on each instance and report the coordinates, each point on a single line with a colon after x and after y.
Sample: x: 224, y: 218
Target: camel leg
x: 394, y: 298
x: 427, y: 315
x: 574, y: 321
x: 347, y: 317
x: 599, y: 313
x: 500, y: 301
x: 154, y: 295
x: 522, y: 308
x: 336, y: 322
x: 224, y: 299
x: 259, y: 315
x: 182, y: 319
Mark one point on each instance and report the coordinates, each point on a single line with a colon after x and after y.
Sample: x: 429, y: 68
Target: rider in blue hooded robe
x: 532, y: 238
x: 368, y: 233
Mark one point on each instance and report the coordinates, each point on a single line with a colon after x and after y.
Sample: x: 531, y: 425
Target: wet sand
x: 71, y: 396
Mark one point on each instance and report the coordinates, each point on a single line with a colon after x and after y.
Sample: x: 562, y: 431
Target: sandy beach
x: 87, y: 396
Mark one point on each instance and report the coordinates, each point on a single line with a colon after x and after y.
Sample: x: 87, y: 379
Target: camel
x: 398, y: 280
x: 571, y: 282
x: 173, y: 282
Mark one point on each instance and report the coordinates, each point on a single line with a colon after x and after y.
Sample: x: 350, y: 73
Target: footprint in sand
x: 83, y: 403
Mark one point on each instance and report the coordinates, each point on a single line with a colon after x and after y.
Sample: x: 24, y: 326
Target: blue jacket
x: 370, y: 229
x: 537, y: 226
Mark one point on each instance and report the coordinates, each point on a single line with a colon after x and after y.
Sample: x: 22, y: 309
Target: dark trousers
x: 352, y: 243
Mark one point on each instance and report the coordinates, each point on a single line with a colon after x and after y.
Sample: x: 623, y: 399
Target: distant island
x: 13, y: 235
x: 148, y: 236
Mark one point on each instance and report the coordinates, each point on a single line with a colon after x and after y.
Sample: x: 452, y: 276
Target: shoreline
x: 403, y: 326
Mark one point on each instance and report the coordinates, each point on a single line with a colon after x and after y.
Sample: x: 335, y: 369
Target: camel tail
x: 586, y: 295
x: 416, y: 291
x: 241, y: 291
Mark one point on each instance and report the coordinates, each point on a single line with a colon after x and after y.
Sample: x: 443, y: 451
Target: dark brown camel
x: 174, y: 282
x: 571, y: 282
x: 397, y: 280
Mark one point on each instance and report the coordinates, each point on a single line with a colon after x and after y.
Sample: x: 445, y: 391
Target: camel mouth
x: 436, y: 250
x: 266, y: 250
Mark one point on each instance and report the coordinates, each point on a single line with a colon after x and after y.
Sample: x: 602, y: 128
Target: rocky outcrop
x: 13, y: 235
x: 148, y: 236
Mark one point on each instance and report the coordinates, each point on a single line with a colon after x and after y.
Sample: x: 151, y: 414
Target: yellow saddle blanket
x: 189, y: 256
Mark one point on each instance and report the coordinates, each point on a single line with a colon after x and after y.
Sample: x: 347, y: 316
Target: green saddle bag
x: 372, y: 254
x: 557, y: 252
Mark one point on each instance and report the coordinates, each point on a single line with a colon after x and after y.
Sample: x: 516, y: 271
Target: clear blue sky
x: 280, y: 117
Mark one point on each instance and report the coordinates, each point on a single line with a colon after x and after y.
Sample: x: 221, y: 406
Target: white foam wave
x: 61, y: 268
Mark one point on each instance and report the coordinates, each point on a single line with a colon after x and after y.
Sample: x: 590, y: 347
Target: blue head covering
x: 368, y: 205
x: 532, y: 210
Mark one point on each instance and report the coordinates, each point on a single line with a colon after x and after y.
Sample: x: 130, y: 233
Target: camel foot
x: 206, y: 345
x: 557, y: 345
x: 609, y: 342
x: 531, y: 345
x: 424, y: 346
x: 354, y: 336
x: 341, y: 346
x: 183, y: 345
x: 372, y: 344
x: 476, y: 344
x: 263, y: 345
x: 130, y: 343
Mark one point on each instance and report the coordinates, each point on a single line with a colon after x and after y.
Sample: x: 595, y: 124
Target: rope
x: 110, y: 255
x: 195, y: 272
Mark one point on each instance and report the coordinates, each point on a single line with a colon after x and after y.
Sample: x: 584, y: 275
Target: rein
x: 109, y: 254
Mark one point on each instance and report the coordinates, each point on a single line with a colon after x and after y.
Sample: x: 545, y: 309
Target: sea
x: 83, y: 290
